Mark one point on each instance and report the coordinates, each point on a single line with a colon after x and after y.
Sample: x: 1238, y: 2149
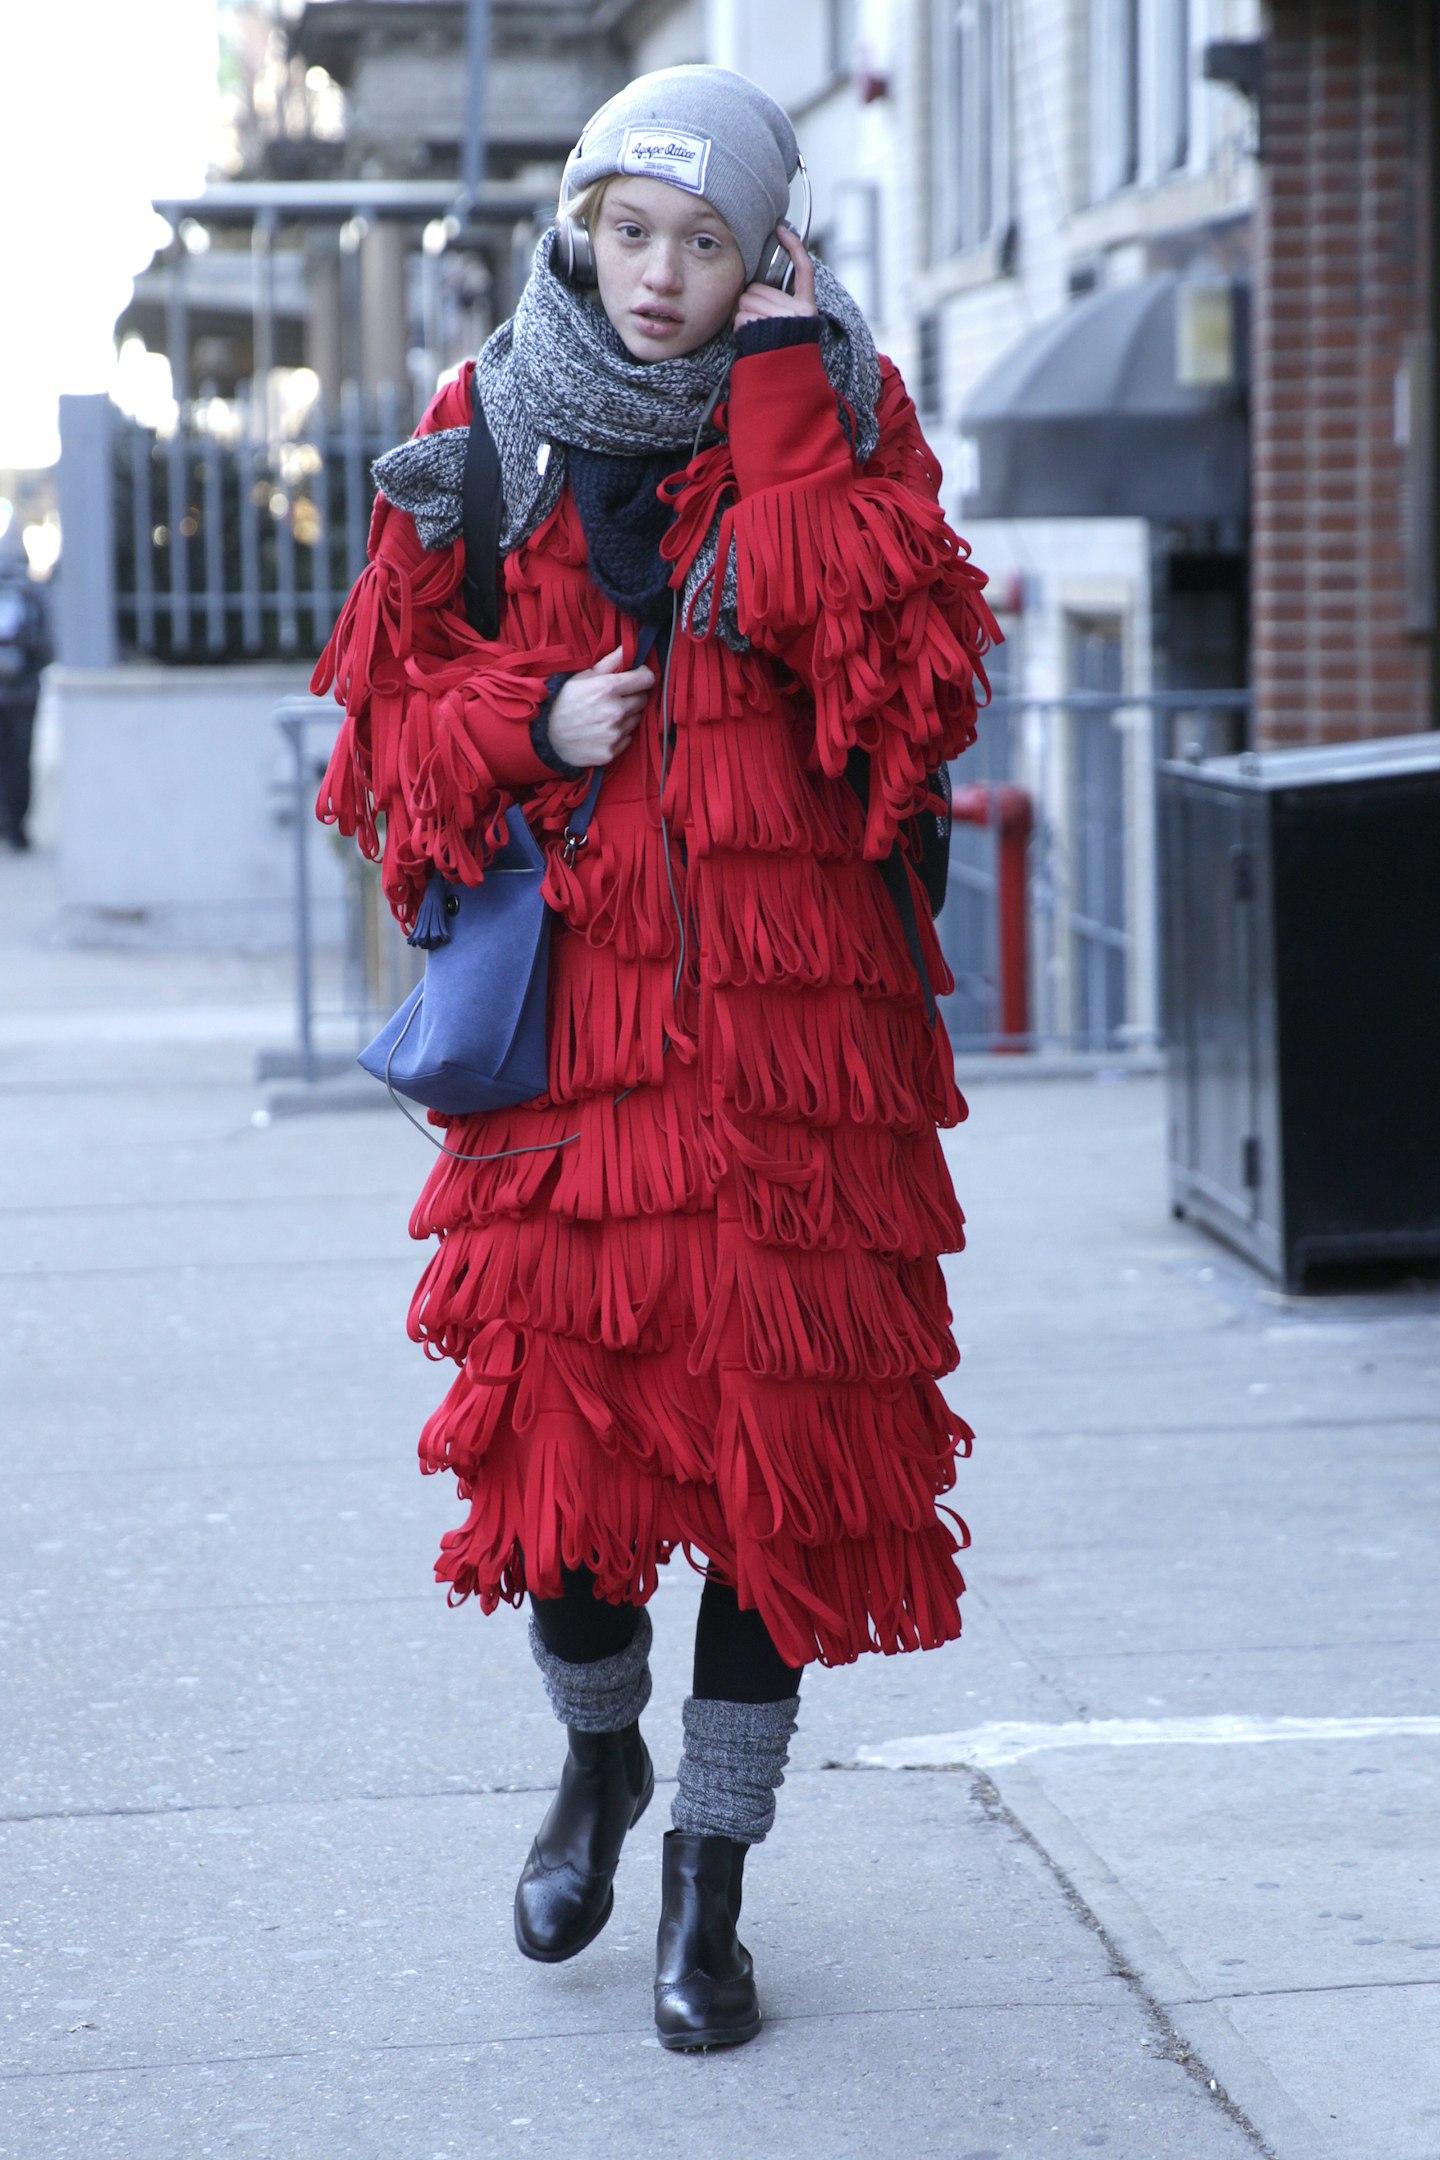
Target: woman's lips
x: 656, y: 324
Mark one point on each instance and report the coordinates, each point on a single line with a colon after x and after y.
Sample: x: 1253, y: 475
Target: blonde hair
x: 586, y: 204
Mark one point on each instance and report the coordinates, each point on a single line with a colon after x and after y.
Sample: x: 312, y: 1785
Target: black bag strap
x: 480, y: 506
x: 896, y: 879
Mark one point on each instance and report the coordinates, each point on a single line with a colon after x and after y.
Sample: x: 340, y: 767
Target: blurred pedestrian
x: 714, y: 1319
x: 24, y: 651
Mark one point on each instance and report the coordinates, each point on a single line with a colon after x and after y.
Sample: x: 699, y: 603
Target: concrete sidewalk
x: 266, y: 1796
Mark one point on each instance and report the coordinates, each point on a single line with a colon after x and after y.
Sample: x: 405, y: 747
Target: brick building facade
x: 1343, y: 577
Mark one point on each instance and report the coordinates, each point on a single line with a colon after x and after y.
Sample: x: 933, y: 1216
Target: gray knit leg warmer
x: 735, y: 1756
x: 604, y: 1696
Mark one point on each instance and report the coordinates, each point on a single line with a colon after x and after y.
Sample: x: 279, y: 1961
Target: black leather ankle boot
x: 704, y: 1981
x: 566, y: 1890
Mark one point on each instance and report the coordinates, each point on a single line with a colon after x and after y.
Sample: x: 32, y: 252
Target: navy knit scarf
x: 624, y: 524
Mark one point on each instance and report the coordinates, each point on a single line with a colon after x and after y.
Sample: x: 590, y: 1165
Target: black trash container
x: 1301, y: 941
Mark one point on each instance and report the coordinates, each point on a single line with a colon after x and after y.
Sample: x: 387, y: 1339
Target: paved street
x: 266, y: 1795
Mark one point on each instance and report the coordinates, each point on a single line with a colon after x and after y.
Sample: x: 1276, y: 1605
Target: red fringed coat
x: 717, y: 1320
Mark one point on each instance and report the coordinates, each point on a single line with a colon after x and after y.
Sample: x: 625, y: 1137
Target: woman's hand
x: 761, y: 303
x: 597, y: 711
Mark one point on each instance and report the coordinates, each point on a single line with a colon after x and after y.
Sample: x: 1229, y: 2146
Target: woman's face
x: 669, y: 269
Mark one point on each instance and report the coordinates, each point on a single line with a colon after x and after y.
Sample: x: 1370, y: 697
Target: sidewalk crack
x: 1172, y: 2044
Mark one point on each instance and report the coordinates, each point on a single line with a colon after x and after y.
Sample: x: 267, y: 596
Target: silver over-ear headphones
x: 776, y: 267
x: 575, y: 251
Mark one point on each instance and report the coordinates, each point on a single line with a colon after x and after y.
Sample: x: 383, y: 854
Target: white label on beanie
x: 666, y: 154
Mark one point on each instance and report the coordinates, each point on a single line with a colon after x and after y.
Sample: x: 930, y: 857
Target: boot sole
x: 559, y: 1957
x: 717, y: 2036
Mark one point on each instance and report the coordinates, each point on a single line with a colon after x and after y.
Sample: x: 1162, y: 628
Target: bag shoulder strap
x: 896, y: 879
x: 480, y: 510
x: 578, y: 822
x: 480, y: 505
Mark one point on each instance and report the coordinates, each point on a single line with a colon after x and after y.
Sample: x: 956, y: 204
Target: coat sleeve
x: 851, y: 576
x: 436, y: 743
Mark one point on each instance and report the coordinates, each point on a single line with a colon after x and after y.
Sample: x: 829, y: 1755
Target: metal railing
x: 1086, y: 760
x: 341, y: 996
x: 1090, y: 876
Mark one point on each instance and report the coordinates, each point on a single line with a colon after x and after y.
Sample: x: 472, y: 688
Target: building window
x: 1140, y: 68
x: 841, y: 30
x: 1114, y: 96
x: 853, y: 249
x: 969, y: 131
x: 1171, y: 27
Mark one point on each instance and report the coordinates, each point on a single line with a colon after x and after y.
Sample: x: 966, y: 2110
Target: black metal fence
x: 214, y: 543
x: 235, y: 548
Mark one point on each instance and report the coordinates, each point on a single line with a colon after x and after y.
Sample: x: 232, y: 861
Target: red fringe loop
x: 609, y: 1018
x: 829, y: 1058
x: 793, y: 1463
x: 743, y: 786
x: 832, y: 1315
x: 885, y: 1192
x: 629, y: 1285
x: 616, y: 893
x: 643, y: 1156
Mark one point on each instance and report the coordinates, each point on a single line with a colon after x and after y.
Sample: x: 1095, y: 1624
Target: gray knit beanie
x: 707, y: 130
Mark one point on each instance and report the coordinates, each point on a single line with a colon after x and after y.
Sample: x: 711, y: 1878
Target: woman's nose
x: 662, y: 267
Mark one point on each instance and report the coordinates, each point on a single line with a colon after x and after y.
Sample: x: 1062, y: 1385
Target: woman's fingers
x: 625, y: 701
x: 597, y: 711
x: 759, y: 303
x: 617, y: 676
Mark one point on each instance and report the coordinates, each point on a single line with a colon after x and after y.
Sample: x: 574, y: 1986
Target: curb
x: 339, y: 1091
x: 1106, y: 1066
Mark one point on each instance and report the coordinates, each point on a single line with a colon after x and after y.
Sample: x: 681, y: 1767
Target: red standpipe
x: 1009, y: 808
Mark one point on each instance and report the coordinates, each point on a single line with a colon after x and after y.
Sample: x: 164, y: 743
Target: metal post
x: 262, y: 305
x: 252, y: 627
x: 85, y: 588
x: 142, y: 497
x: 994, y: 921
x: 212, y: 507
x: 294, y: 727
x: 285, y: 580
x: 477, y: 56
x: 320, y: 608
x: 177, y: 493
x: 352, y: 443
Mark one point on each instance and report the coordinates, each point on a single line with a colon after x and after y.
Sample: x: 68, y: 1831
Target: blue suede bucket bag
x: 471, y: 1035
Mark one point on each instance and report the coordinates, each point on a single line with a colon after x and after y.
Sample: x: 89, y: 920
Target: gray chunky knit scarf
x: 558, y: 373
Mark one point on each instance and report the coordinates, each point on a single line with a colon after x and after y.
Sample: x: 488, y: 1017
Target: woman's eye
x: 630, y: 232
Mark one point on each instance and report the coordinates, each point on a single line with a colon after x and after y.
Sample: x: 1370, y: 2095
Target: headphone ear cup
x: 775, y: 268
x: 577, y: 256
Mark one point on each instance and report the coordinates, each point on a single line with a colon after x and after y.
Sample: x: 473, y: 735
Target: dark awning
x: 1090, y: 415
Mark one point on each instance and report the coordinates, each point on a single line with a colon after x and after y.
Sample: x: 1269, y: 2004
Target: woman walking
x: 694, y: 1288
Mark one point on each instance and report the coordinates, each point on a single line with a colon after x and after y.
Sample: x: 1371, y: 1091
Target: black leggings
x: 735, y: 1660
